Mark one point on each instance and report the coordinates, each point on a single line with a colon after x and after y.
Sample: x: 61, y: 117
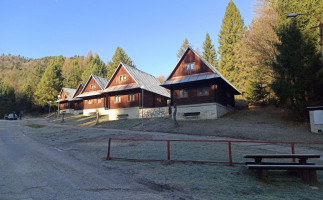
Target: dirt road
x: 32, y: 170
x: 43, y: 160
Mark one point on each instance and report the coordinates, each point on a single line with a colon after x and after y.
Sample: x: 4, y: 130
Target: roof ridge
x: 139, y: 70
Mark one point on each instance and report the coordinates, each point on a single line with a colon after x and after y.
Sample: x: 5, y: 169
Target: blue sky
x: 150, y: 31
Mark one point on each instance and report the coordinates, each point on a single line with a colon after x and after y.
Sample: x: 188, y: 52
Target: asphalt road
x: 31, y: 170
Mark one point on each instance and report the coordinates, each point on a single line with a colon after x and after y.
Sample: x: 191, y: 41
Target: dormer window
x: 190, y: 67
x: 122, y: 77
x: 92, y: 86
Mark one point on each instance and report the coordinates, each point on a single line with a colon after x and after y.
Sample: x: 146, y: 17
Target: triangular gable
x: 207, y: 64
x: 190, y: 56
x: 138, y: 78
x: 79, y: 90
x: 121, y: 70
x: 89, y: 82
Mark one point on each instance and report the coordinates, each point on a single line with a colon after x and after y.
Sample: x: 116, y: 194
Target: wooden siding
x: 88, y: 86
x: 66, y: 105
x: 150, y: 100
x: 115, y: 80
x: 78, y: 105
x: 78, y: 91
x: 124, y: 101
x: 95, y: 103
x: 189, y: 57
x: 62, y: 95
x: 193, y: 95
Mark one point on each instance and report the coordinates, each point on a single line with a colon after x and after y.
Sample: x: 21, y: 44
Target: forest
x: 275, y: 60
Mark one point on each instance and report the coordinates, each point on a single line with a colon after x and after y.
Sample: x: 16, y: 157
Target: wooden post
x: 109, y: 146
x: 97, y: 118
x: 230, y: 153
x: 168, y: 150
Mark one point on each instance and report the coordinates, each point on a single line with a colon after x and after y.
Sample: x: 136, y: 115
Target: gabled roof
x: 143, y: 80
x: 74, y: 96
x: 190, y: 78
x: 102, y: 82
x: 69, y: 92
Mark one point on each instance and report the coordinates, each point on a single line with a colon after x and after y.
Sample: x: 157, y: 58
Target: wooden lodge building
x: 125, y: 89
x: 92, y: 95
x: 119, y: 97
x: 68, y: 103
x: 198, y: 89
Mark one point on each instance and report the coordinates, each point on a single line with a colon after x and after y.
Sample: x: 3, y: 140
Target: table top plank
x: 279, y: 167
x: 282, y: 156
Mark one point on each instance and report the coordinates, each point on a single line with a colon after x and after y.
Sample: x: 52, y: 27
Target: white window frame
x: 117, y: 99
x: 131, y: 97
x: 189, y: 67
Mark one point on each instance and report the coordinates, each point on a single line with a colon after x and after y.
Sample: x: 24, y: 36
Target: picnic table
x: 306, y: 171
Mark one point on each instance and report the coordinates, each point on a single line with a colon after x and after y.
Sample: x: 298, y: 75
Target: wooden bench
x: 122, y: 116
x: 192, y: 114
x: 306, y: 171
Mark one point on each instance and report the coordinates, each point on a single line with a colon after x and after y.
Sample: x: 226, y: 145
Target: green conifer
x: 119, y: 56
x: 51, y: 83
x: 209, y: 53
x: 232, y: 26
x: 183, y: 48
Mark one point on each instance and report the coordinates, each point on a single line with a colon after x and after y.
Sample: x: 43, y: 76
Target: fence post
x: 230, y: 153
x: 168, y: 150
x: 109, y: 144
x: 293, y: 149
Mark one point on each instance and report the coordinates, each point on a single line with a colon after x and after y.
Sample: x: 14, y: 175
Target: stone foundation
x: 153, y: 112
x: 206, y: 110
x: 88, y: 112
x: 131, y: 112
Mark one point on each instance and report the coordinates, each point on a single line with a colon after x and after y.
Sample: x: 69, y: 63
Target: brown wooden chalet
x: 194, y: 81
x: 64, y: 99
x: 68, y: 102
x: 78, y: 102
x: 126, y: 85
x: 92, y: 95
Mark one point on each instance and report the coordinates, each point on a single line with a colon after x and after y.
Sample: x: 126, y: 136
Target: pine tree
x: 232, y: 26
x: 74, y: 75
x: 295, y: 67
x: 183, y: 48
x: 119, y: 56
x: 209, y: 53
x: 94, y: 65
x: 7, y: 100
x: 51, y: 83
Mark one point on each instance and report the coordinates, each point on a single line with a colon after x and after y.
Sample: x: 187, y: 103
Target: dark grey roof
x: 207, y: 64
x: 102, y: 82
x: 69, y: 92
x: 190, y: 78
x: 143, y: 80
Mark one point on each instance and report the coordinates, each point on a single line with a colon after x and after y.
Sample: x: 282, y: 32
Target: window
x: 117, y: 99
x: 182, y: 93
x: 92, y: 86
x: 99, y: 100
x: 159, y: 99
x: 204, y: 91
x: 90, y: 101
x: 190, y: 67
x: 131, y: 97
x: 122, y: 78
